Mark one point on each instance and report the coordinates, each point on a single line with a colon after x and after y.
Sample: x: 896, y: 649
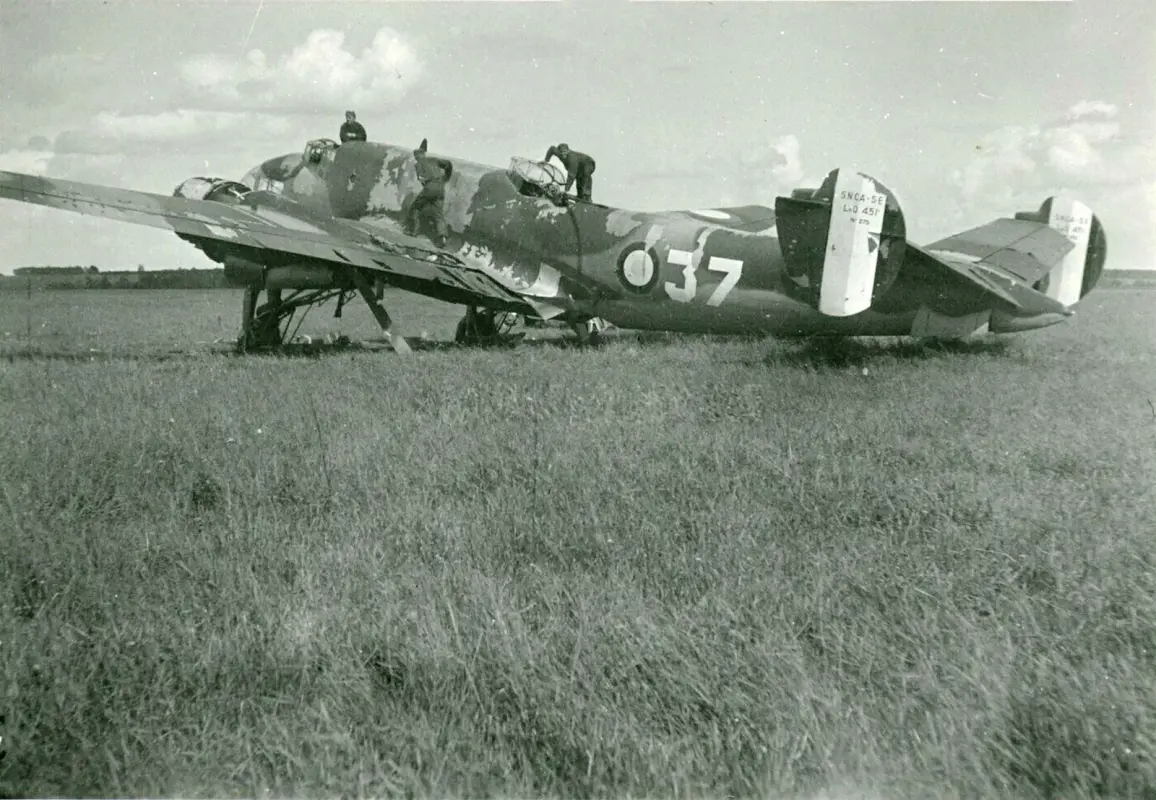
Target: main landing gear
x: 589, y: 331
x: 484, y: 327
x: 268, y: 326
x: 275, y: 323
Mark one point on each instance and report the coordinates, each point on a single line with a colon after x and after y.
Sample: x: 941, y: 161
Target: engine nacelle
x: 842, y: 243
x: 1080, y: 270
x: 243, y: 272
x: 302, y: 276
x: 218, y: 189
x: 293, y: 276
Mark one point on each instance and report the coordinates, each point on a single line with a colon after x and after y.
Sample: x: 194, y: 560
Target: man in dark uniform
x: 433, y: 174
x: 579, y: 167
x: 351, y: 129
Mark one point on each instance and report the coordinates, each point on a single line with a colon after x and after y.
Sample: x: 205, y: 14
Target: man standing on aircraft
x: 433, y: 174
x: 351, y: 129
x: 579, y: 167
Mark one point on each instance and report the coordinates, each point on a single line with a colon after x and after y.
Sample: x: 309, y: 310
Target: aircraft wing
x: 1006, y: 257
x: 266, y: 222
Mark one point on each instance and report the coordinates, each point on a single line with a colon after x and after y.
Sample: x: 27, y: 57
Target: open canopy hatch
x: 536, y: 178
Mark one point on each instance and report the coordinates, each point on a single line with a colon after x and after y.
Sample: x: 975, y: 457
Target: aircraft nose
x: 1003, y: 322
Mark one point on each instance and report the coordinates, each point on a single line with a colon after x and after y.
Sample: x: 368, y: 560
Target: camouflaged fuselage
x: 835, y: 260
x: 714, y: 270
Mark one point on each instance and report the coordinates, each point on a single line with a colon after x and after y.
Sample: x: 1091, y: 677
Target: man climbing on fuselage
x: 579, y: 167
x: 351, y: 129
x: 433, y: 174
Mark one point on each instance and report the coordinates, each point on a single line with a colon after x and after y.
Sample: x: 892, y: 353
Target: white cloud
x: 1088, y: 154
x: 32, y: 162
x: 237, y: 111
x: 1086, y: 108
x: 1001, y: 156
x: 320, y: 75
x: 766, y: 171
x: 790, y: 171
x: 110, y: 132
x: 107, y: 169
x: 1084, y: 148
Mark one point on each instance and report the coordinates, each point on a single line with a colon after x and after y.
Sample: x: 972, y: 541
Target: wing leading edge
x: 267, y: 222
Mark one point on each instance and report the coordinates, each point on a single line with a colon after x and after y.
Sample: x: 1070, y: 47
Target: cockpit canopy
x: 263, y: 183
x: 536, y: 178
x: 317, y: 149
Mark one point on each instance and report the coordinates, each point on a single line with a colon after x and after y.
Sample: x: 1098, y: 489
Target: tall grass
x: 682, y: 568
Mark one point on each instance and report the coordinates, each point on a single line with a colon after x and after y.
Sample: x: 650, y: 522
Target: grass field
x: 669, y: 567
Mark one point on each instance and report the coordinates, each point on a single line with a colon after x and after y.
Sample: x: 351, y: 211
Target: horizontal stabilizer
x: 991, y: 278
x: 1022, y: 250
x: 1041, y: 262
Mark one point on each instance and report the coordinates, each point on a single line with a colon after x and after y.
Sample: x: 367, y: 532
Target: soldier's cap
x: 350, y: 114
x: 563, y: 146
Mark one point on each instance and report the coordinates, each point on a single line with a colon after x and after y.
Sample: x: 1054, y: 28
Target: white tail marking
x: 1073, y: 219
x: 852, y: 245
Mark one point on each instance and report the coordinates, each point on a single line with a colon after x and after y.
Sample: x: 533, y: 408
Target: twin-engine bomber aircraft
x: 327, y: 222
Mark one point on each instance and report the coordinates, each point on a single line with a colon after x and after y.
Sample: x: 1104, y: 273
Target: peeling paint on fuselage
x: 621, y: 223
x: 574, y: 251
x: 587, y: 255
x: 493, y: 226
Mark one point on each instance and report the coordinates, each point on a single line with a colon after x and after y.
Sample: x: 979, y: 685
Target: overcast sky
x: 966, y: 110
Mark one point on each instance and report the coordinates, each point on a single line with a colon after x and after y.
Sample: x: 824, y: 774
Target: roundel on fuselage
x: 711, y: 213
x: 638, y: 268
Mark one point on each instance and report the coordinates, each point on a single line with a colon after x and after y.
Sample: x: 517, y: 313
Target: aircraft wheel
x: 505, y: 321
x: 267, y: 330
x: 589, y: 331
x: 482, y: 327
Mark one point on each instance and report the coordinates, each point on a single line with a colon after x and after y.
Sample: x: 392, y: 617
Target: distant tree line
x: 42, y: 278
x: 55, y: 270
x: 1129, y: 276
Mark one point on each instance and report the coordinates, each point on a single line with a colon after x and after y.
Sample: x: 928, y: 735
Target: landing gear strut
x: 268, y: 325
x: 484, y: 326
x: 589, y: 331
x: 379, y: 313
x: 261, y: 325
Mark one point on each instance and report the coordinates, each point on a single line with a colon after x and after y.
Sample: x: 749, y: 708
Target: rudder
x: 842, y: 243
x: 1079, y: 271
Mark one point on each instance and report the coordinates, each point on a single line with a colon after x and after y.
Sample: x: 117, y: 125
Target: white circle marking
x: 638, y: 268
x: 710, y: 213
